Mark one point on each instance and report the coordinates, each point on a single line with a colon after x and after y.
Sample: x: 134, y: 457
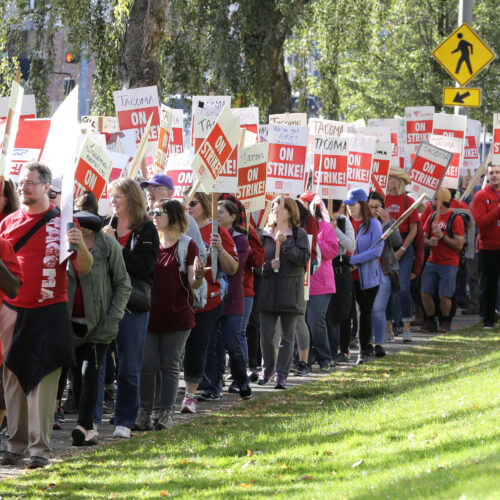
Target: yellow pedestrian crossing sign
x: 463, y: 54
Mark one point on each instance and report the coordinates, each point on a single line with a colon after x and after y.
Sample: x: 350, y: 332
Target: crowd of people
x: 159, y: 288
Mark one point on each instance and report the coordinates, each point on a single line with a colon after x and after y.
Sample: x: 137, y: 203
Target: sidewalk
x: 61, y: 439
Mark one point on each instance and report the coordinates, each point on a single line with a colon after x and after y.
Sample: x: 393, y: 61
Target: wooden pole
x: 265, y: 215
x: 215, y: 229
x: 439, y: 207
x: 475, y: 178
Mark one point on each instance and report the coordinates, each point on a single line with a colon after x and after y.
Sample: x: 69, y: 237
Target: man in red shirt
x: 35, y: 327
x: 440, y: 271
x: 486, y: 212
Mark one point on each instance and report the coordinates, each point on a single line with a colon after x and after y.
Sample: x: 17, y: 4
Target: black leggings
x: 365, y: 299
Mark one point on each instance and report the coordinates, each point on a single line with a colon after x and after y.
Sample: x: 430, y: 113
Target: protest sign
x: 104, y: 124
x: 162, y: 149
x: 359, y: 161
x: 263, y: 133
x: 176, y: 145
x: 249, y: 139
x: 325, y: 128
x: 393, y: 125
x: 449, y: 125
x: 249, y: 118
x: 227, y: 180
x: 418, y: 127
x: 428, y: 169
x: 211, y: 103
x: 120, y: 162
x: 495, y: 143
x: 202, y: 124
x: 287, y: 159
x: 471, y: 160
x: 134, y: 107
x: 455, y: 146
x: 11, y: 125
x: 354, y: 126
x: 380, y: 168
x: 29, y: 144
x: 93, y: 168
x: 28, y: 107
x: 140, y: 152
x: 330, y: 167
x: 179, y: 169
x: 295, y: 119
x: 252, y: 176
x: 216, y: 149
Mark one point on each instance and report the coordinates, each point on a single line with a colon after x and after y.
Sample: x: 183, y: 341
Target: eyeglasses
x: 152, y: 187
x: 29, y: 184
x: 156, y: 213
x: 193, y: 203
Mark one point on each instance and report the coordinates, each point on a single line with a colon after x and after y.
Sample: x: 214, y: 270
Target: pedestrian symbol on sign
x: 463, y: 48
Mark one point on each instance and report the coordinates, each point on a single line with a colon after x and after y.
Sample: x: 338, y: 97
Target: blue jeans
x: 316, y: 321
x: 243, y: 329
x: 405, y: 269
x: 378, y: 310
x: 130, y: 349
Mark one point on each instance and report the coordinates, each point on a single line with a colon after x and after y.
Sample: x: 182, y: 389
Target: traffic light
x: 71, y: 58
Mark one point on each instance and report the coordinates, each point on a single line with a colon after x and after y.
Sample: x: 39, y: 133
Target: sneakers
x: 188, y: 405
x: 406, y: 336
x: 164, y: 421
x: 303, y: 369
x: 280, y: 382
x: 324, y: 368
x: 342, y: 358
x: 362, y: 358
x: 379, y: 351
x: 253, y: 375
x: 37, y: 462
x: 143, y: 422
x: 233, y: 388
x: 245, y: 392
x: 488, y: 326
x: 58, y: 419
x: 121, y: 432
x: 264, y: 378
x: 11, y: 458
x: 208, y: 396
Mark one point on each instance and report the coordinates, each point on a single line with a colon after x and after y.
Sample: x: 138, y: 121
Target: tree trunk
x: 281, y: 90
x: 139, y: 66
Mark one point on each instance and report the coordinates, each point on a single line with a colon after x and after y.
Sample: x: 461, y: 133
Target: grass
x: 421, y: 424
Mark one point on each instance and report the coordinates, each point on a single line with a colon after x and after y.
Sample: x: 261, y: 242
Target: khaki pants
x: 29, y: 417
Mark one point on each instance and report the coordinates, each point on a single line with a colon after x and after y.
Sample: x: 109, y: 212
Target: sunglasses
x: 193, y: 203
x: 156, y: 213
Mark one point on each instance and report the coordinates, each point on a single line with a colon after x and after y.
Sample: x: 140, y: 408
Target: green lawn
x: 422, y: 424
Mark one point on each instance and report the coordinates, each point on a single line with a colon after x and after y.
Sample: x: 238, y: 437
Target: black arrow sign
x: 460, y: 98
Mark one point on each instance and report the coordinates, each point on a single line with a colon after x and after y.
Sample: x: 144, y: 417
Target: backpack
x: 317, y: 261
x: 449, y: 229
x: 200, y: 294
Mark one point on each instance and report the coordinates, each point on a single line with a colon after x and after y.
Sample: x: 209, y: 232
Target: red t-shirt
x: 213, y: 299
x: 443, y: 254
x: 39, y: 260
x: 9, y: 258
x: 396, y: 207
x: 355, y: 225
x: 172, y: 308
x: 124, y: 239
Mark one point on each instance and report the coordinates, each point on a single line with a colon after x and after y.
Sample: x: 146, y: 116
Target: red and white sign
x: 418, y: 127
x: 210, y: 103
x: 162, y: 149
x: 428, y: 169
x: 216, y: 149
x: 287, y: 159
x: 133, y: 109
x: 202, y: 124
x: 179, y: 169
x: 93, y: 169
x: 359, y: 162
x: 249, y: 118
x: 252, y: 176
x: 451, y: 126
x: 227, y: 181
x: 393, y: 125
x: 380, y: 168
x: 330, y: 167
x: 295, y: 119
x: 176, y: 145
x: 28, y: 107
x: 471, y: 148
x: 454, y: 145
x: 495, y: 144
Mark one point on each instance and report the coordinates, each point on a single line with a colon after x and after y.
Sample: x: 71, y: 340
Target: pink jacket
x: 323, y: 280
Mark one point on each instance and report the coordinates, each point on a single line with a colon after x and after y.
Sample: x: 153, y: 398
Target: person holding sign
x: 281, y: 292
x: 367, y: 273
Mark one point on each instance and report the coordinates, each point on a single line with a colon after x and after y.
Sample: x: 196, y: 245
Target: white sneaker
x: 121, y: 432
x: 188, y: 405
x: 406, y: 336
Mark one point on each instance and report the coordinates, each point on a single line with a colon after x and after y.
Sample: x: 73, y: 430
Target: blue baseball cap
x: 355, y: 195
x: 159, y: 180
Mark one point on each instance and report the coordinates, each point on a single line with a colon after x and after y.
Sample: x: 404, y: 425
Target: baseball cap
x: 159, y: 180
x: 355, y: 195
x: 56, y: 185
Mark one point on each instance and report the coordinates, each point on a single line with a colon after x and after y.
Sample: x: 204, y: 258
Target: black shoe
x: 370, y: 350
x: 208, y: 396
x: 379, y: 351
x: 37, y: 462
x: 233, y: 388
x: 324, y: 367
x: 245, y: 392
x: 303, y: 369
x: 78, y: 437
x: 254, y: 375
x: 11, y: 458
x: 342, y: 358
x: 362, y: 358
x: 91, y: 442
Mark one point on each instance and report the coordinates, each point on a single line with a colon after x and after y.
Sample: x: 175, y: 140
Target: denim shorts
x: 436, y: 274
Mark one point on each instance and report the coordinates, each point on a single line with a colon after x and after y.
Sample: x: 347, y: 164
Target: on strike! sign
x: 216, y: 148
x: 179, y: 169
x: 203, y: 122
x: 393, y: 125
x: 93, y: 169
x: 418, y: 127
x: 453, y: 145
x: 380, y: 169
x: 471, y: 149
x: 495, y: 145
x: 359, y: 162
x: 133, y: 109
x: 176, y: 145
x: 211, y: 103
x: 330, y: 166
x: 252, y: 176
x: 286, y: 166
x: 428, y: 169
x: 249, y: 118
